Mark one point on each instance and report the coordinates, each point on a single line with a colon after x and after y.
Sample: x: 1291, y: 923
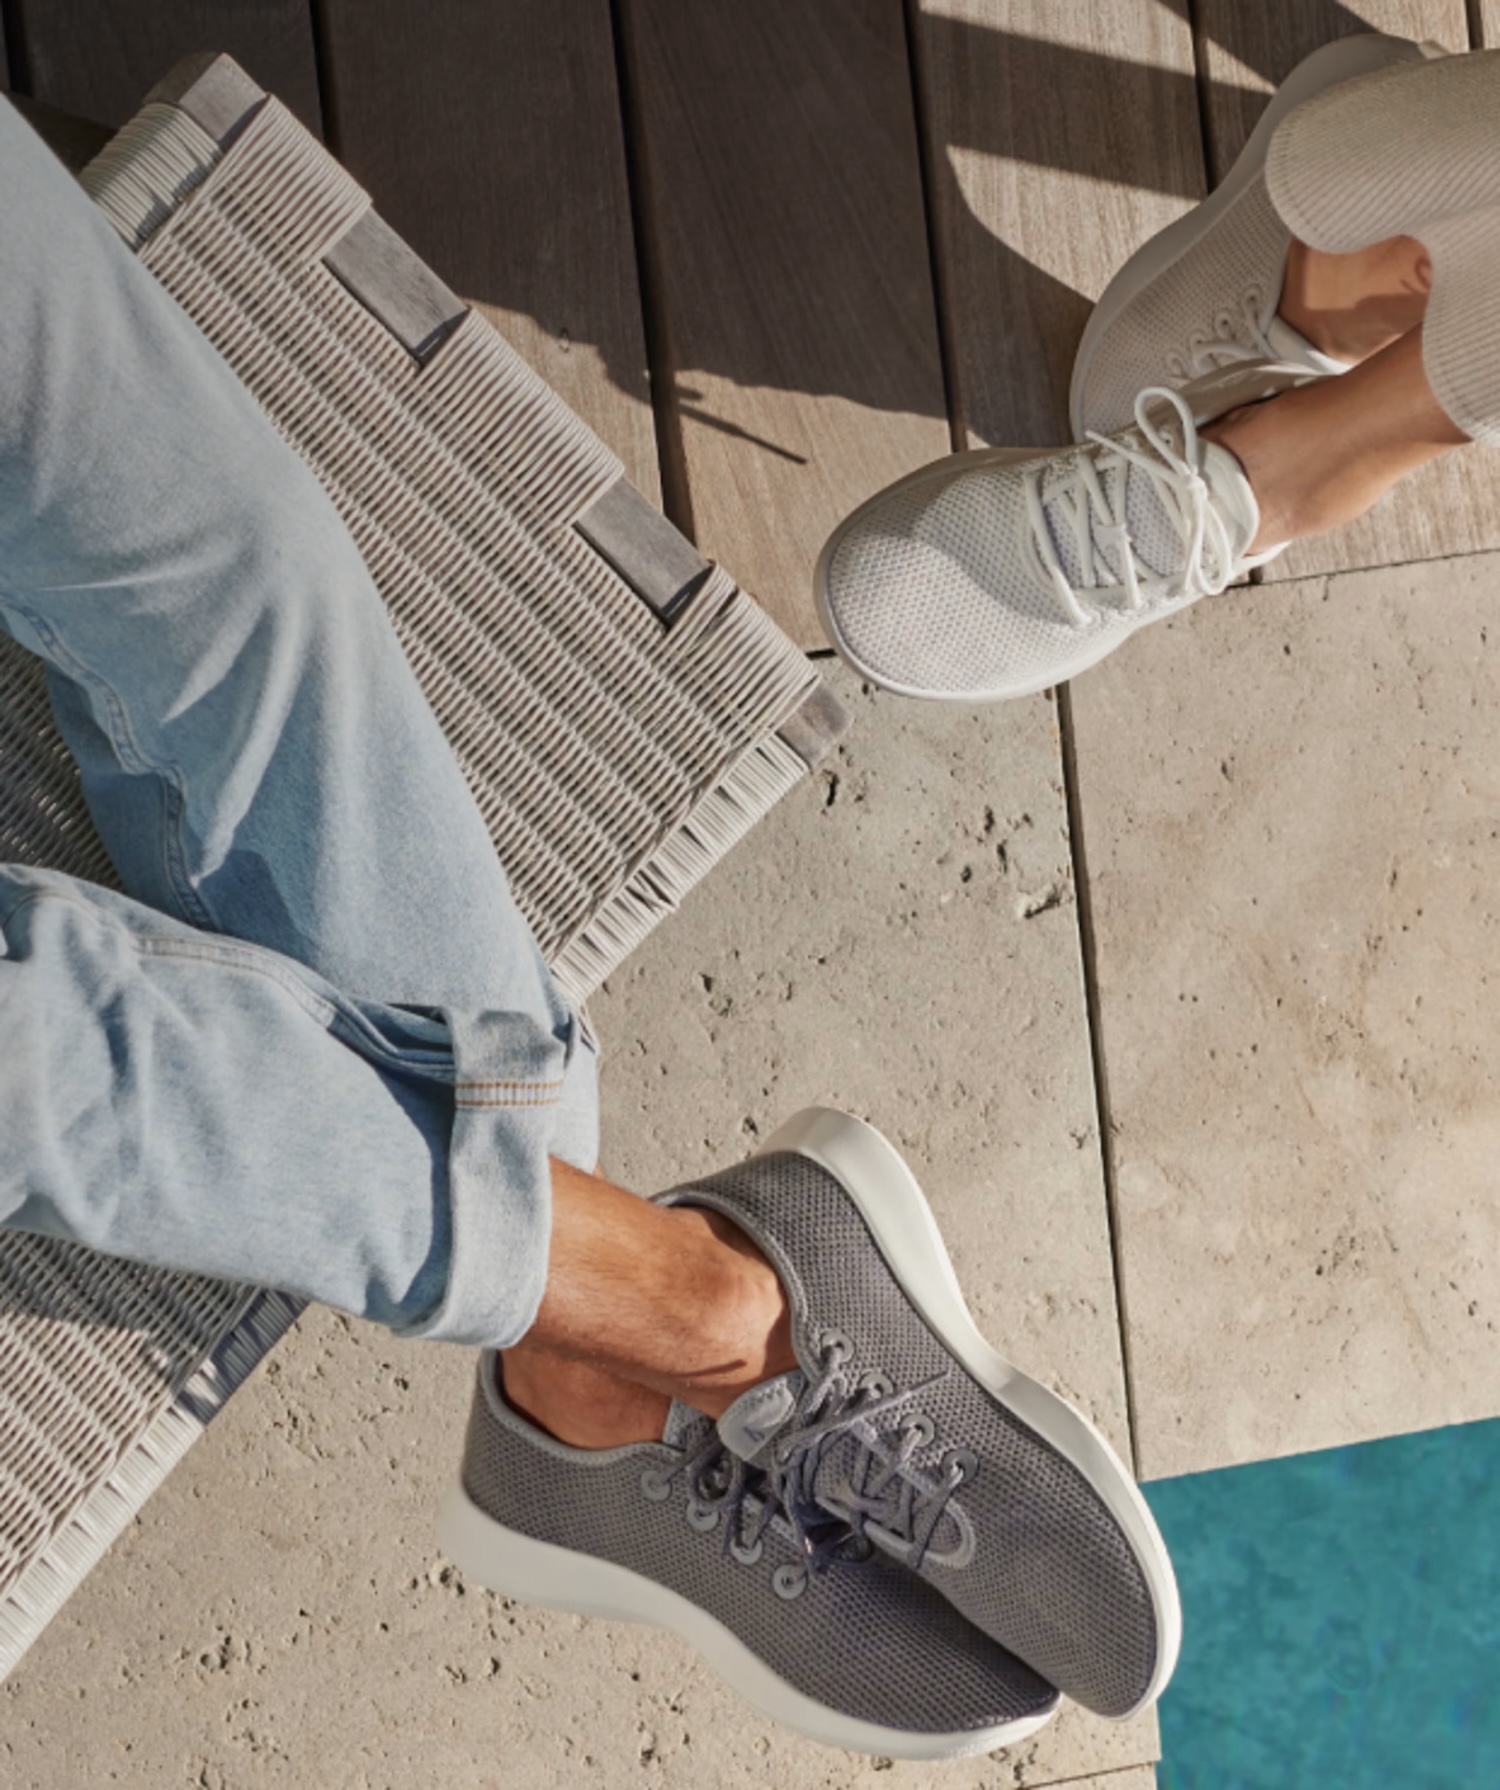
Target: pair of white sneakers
x: 999, y: 573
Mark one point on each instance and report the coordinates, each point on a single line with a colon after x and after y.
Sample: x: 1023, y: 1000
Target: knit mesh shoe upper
x: 1203, y: 310
x: 888, y: 1430
x: 833, y: 1619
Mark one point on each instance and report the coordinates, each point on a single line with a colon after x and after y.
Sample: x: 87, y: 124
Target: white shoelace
x: 1081, y: 503
x: 1241, y: 335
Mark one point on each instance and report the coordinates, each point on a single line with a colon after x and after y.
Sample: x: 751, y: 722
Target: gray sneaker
x: 906, y: 1425
x: 801, y: 1617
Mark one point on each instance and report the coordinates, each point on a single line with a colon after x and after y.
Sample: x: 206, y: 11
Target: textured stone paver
x: 901, y: 938
x: 1291, y: 806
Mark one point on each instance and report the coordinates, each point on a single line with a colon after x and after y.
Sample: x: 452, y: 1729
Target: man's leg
x: 644, y: 1304
x: 262, y: 765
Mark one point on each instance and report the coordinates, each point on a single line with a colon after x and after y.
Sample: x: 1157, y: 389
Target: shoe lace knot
x: 1078, y: 506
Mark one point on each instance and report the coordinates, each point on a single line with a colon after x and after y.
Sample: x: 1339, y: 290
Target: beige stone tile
x: 1135, y: 1777
x: 279, y: 1616
x: 1291, y: 805
x: 899, y: 939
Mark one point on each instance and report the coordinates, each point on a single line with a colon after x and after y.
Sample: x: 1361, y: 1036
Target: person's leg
x: 644, y: 1304
x: 1351, y: 306
x: 254, y: 748
x: 262, y: 765
x: 1320, y: 455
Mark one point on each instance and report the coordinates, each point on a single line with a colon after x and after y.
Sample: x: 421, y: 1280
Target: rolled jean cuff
x: 515, y: 1106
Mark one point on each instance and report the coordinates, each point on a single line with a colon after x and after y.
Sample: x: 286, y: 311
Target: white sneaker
x: 996, y: 574
x: 1203, y: 293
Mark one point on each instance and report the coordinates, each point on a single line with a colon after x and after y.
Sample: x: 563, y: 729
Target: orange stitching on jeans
x: 547, y: 1100
x: 510, y: 1084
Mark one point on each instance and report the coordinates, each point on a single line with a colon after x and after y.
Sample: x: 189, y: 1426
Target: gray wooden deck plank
x: 73, y: 140
x: 1246, y: 47
x: 490, y: 137
x: 99, y: 58
x: 1059, y: 138
x: 787, y: 251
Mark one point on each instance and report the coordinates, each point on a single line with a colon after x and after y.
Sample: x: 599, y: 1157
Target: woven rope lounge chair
x: 623, y: 712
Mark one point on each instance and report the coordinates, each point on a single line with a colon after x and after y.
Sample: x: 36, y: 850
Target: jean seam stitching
x: 517, y: 1086
x: 229, y: 953
x: 127, y: 748
x: 481, y: 1105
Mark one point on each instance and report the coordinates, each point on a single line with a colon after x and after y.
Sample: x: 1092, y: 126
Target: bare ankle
x: 579, y: 1404
x: 1323, y: 453
x: 673, y: 1299
x: 1351, y: 306
x: 738, y: 1311
x: 738, y: 1333
x: 1244, y: 434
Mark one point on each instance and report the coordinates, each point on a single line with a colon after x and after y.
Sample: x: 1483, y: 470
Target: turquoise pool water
x: 1341, y: 1619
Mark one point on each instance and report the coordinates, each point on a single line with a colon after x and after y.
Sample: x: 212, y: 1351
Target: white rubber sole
x: 901, y: 1222
x: 1343, y: 60
x: 539, y: 1573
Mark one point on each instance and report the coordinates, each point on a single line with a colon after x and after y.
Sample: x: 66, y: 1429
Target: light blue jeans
x: 315, y: 1047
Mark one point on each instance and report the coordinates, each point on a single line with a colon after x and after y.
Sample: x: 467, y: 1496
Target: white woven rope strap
x: 147, y: 169
x: 588, y: 733
x: 614, y: 760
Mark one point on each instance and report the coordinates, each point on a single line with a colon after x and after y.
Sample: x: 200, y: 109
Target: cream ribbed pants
x: 1412, y: 150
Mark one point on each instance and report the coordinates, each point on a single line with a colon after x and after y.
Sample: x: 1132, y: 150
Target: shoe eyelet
x: 960, y: 1464
x: 655, y: 1486
x: 834, y: 1342
x: 702, y: 1517
x: 789, y: 1582
x: 881, y: 1385
x: 747, y: 1556
x: 920, y: 1425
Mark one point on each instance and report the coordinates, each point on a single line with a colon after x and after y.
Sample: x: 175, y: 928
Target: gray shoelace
x: 750, y: 1498
x: 884, y: 1490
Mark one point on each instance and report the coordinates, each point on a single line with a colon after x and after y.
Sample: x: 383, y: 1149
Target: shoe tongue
x: 1157, y: 544
x: 682, y: 1420
x: 1154, y: 538
x: 753, y: 1422
x: 1290, y: 344
x: 758, y: 1416
x: 1233, y: 498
